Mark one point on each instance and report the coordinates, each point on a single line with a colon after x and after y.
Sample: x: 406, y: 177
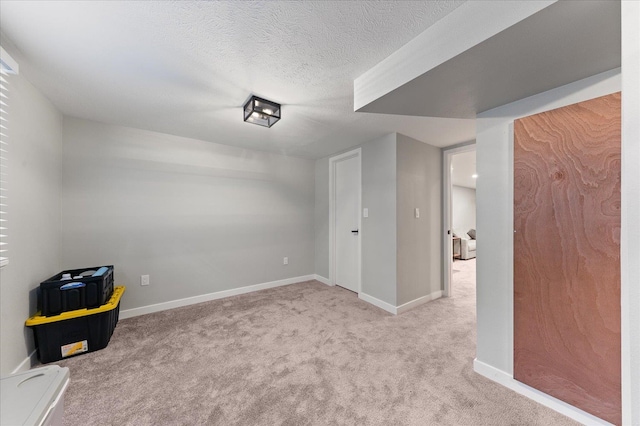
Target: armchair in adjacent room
x: 467, y: 244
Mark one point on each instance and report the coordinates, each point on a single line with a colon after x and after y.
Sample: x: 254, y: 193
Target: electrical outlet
x: 285, y: 261
x: 144, y: 279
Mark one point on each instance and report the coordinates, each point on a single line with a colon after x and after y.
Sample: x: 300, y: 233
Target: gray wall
x: 419, y: 185
x: 33, y: 182
x: 495, y: 211
x: 463, y: 202
x: 379, y: 229
x: 401, y: 255
x: 322, y: 218
x: 198, y: 217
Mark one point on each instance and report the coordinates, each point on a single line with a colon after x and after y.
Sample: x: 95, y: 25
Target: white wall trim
x: 332, y: 215
x: 419, y: 301
x: 323, y: 280
x: 506, y: 380
x: 395, y: 310
x: 143, y: 310
x: 26, y: 363
x: 379, y: 303
x: 630, y: 209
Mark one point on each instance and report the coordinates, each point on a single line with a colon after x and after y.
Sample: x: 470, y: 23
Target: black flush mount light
x: 261, y: 112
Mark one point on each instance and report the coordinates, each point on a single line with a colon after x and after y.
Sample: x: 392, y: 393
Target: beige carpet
x: 304, y: 354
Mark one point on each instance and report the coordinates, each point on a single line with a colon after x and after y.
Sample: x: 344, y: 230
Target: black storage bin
x: 57, y: 295
x: 75, y: 332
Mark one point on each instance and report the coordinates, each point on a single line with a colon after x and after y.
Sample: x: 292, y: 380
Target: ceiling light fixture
x: 475, y: 176
x: 261, y: 111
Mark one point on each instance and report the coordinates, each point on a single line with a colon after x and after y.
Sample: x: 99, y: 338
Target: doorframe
x: 332, y: 214
x: 447, y: 211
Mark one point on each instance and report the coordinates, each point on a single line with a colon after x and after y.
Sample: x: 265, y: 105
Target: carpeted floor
x: 304, y: 354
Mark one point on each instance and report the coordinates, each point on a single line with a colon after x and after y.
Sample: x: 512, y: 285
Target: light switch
x: 365, y: 212
x: 417, y: 213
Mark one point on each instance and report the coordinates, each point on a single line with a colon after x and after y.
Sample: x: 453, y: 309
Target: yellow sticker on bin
x: 74, y: 348
x: 111, y: 304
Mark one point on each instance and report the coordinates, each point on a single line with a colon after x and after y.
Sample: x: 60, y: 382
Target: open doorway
x: 459, y: 191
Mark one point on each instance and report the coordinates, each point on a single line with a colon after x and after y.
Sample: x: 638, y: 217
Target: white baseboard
x: 506, y: 380
x: 419, y: 301
x: 395, y: 310
x: 26, y: 363
x: 143, y: 310
x: 379, y: 303
x: 323, y: 280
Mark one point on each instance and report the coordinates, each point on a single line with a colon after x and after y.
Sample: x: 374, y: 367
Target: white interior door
x: 347, y: 213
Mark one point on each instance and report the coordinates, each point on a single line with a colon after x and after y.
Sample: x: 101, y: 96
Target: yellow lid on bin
x: 111, y: 304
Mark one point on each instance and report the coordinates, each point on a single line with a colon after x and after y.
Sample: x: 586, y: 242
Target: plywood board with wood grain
x: 567, y: 254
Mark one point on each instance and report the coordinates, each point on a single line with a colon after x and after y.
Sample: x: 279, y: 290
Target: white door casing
x: 447, y: 213
x: 345, y: 206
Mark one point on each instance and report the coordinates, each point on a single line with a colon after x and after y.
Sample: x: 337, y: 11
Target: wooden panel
x: 567, y: 254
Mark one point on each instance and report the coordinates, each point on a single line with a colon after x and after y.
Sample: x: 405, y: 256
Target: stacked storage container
x: 77, y: 315
x: 76, y: 289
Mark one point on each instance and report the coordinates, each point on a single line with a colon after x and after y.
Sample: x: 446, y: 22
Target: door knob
x: 355, y: 231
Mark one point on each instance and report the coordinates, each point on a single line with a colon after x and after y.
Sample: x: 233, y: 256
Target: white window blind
x: 4, y: 145
x: 7, y: 66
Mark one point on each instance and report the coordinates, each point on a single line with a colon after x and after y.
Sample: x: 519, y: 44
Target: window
x: 3, y: 167
x: 7, y: 66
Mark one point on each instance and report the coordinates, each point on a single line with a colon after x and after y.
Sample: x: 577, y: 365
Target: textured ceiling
x: 186, y: 68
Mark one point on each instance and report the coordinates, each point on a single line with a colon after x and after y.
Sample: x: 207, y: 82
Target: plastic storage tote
x: 75, y: 332
x: 59, y: 295
x: 35, y: 397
